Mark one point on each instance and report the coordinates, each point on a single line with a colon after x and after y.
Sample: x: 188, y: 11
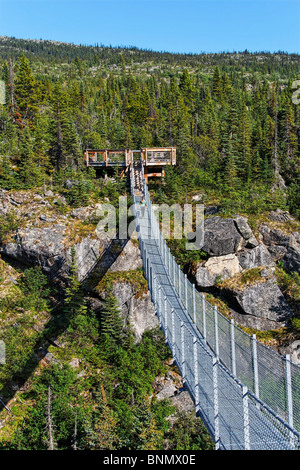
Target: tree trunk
x: 49, y: 421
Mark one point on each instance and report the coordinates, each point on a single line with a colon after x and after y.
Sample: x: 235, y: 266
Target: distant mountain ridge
x: 11, y: 47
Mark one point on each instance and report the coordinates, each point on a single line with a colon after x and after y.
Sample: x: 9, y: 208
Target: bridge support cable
x: 235, y: 417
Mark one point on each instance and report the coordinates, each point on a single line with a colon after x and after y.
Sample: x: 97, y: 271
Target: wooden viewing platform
x: 153, y: 159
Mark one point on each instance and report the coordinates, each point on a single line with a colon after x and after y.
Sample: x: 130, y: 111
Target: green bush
x: 8, y: 223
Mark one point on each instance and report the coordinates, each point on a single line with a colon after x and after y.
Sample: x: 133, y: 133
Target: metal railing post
x: 174, y: 272
x: 196, y: 373
x: 151, y: 281
x: 173, y: 332
x: 289, y: 395
x: 232, y: 340
x: 255, y: 366
x: 216, y: 403
x: 166, y: 319
x: 246, y: 418
x: 183, y: 368
x: 194, y: 305
x: 216, y: 331
x: 155, y: 291
x: 159, y: 305
x: 148, y: 271
x: 185, y: 292
x: 204, y: 317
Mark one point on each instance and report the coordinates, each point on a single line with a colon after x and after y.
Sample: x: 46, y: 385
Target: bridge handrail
x: 247, y: 361
x: 273, y: 378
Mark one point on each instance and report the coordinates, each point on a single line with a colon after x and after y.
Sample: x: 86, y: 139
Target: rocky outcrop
x: 227, y: 236
x: 255, y: 257
x: 263, y: 304
x: 233, y: 249
x: 171, y: 386
x: 280, y: 216
x: 45, y: 237
x: 138, y: 311
x: 246, y: 232
x: 217, y: 268
x: 221, y: 236
x: 50, y: 248
x: 283, y: 246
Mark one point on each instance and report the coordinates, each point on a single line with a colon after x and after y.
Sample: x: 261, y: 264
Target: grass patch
x: 134, y: 277
x: 289, y: 284
x: 243, y: 279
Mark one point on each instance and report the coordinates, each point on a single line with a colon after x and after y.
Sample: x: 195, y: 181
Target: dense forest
x: 230, y: 116
x: 237, y: 133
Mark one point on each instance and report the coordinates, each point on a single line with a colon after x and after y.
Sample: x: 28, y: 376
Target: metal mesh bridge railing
x: 246, y: 393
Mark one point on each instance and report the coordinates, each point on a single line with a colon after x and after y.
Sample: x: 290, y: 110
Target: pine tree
x: 101, y: 429
x: 74, y: 299
x: 78, y: 65
x: 187, y: 88
x: 26, y: 89
x: 230, y: 169
x: 244, y: 144
x: 289, y: 141
x: 111, y: 323
x: 217, y: 84
x: 63, y: 136
x: 30, y: 174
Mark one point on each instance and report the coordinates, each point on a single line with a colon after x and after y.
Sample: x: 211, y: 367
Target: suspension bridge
x: 247, y: 395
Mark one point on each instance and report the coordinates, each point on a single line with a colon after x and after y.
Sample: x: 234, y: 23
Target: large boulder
x: 255, y: 257
x: 263, y: 304
x: 282, y: 245
x: 217, y: 268
x: 221, y: 236
x: 245, y: 231
x: 136, y: 310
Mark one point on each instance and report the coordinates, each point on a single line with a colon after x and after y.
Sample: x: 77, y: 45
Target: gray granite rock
x: 221, y: 236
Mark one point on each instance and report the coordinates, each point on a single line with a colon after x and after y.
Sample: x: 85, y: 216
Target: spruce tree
x: 26, y: 89
x: 111, y: 322
x: 74, y: 298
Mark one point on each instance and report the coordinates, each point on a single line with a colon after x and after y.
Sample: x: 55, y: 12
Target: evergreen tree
x: 26, y: 89
x: 217, y: 84
x: 111, y: 323
x: 64, y: 139
x: 74, y: 299
x: 187, y: 88
x: 30, y: 174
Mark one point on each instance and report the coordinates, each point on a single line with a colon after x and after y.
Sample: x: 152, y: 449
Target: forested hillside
x: 230, y: 116
x: 76, y: 378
